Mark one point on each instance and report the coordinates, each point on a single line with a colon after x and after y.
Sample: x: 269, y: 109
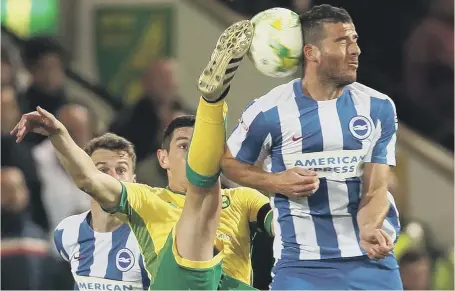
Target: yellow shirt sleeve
x: 252, y: 201
x: 135, y: 198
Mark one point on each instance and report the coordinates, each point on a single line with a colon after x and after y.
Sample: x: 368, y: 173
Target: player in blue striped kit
x: 102, y: 250
x: 328, y: 144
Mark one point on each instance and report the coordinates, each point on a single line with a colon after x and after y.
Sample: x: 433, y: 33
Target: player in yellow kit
x: 240, y: 206
x: 177, y: 244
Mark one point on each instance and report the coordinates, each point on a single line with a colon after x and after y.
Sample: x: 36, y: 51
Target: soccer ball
x: 276, y: 48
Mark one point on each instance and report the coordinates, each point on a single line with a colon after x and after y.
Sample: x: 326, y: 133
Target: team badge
x: 124, y: 260
x: 225, y: 202
x: 360, y: 127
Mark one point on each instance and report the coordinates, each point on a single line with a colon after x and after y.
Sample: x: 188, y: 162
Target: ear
x: 163, y: 158
x: 311, y: 53
x: 134, y: 178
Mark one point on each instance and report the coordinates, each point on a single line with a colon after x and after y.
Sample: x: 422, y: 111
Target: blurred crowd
x: 412, y: 60
x: 36, y: 191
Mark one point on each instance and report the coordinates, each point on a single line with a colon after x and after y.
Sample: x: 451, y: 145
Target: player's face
x: 117, y: 164
x: 340, y: 52
x: 174, y: 160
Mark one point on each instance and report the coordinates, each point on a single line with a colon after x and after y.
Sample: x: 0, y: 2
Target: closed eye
x: 346, y: 38
x: 342, y: 39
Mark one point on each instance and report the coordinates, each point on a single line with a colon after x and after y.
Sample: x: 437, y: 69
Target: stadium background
x: 109, y: 44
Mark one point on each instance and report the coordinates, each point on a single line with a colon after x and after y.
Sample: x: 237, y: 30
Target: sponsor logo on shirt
x: 101, y: 286
x: 335, y: 165
x: 93, y: 283
x: 224, y: 236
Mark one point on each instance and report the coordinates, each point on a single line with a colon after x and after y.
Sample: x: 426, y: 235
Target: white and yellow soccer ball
x: 276, y: 48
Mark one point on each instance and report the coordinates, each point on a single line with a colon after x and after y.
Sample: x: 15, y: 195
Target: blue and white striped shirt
x: 101, y: 261
x: 334, y: 138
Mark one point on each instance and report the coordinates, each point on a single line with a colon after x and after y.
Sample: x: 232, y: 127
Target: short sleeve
x: 58, y: 242
x: 252, y: 201
x: 248, y: 138
x: 135, y: 198
x: 382, y: 150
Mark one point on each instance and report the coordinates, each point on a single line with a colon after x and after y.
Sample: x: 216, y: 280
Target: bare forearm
x: 373, y: 209
x: 103, y: 188
x: 248, y: 175
x: 75, y: 161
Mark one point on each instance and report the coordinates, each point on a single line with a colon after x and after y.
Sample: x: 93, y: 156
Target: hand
x: 376, y: 242
x: 297, y: 182
x: 39, y: 121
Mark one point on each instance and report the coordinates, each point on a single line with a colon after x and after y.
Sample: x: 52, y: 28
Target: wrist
x: 272, y: 182
x: 60, y: 133
x: 368, y: 225
x: 365, y: 228
x: 60, y: 130
x: 368, y: 220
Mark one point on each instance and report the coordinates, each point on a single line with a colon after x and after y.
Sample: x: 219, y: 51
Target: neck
x: 178, y: 188
x: 102, y: 221
x: 176, y: 184
x: 320, y: 89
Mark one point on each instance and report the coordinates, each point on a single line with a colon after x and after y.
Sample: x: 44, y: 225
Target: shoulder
x: 277, y: 95
x: 66, y: 234
x: 236, y: 191
x: 377, y: 99
x: 143, y: 198
x: 72, y: 221
x: 365, y: 91
x: 270, y: 100
x: 241, y: 193
x: 143, y: 188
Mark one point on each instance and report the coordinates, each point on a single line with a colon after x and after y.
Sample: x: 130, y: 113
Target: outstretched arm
x: 103, y: 188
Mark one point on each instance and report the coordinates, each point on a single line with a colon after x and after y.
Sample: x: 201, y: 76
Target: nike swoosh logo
x: 297, y: 138
x: 77, y: 257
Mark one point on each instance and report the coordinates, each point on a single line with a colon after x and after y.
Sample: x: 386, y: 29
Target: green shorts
x: 230, y: 283
x: 176, y: 273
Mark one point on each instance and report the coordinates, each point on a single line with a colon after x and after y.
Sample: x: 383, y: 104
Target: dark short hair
x: 178, y: 122
x: 313, y: 20
x: 38, y: 46
x: 112, y: 142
